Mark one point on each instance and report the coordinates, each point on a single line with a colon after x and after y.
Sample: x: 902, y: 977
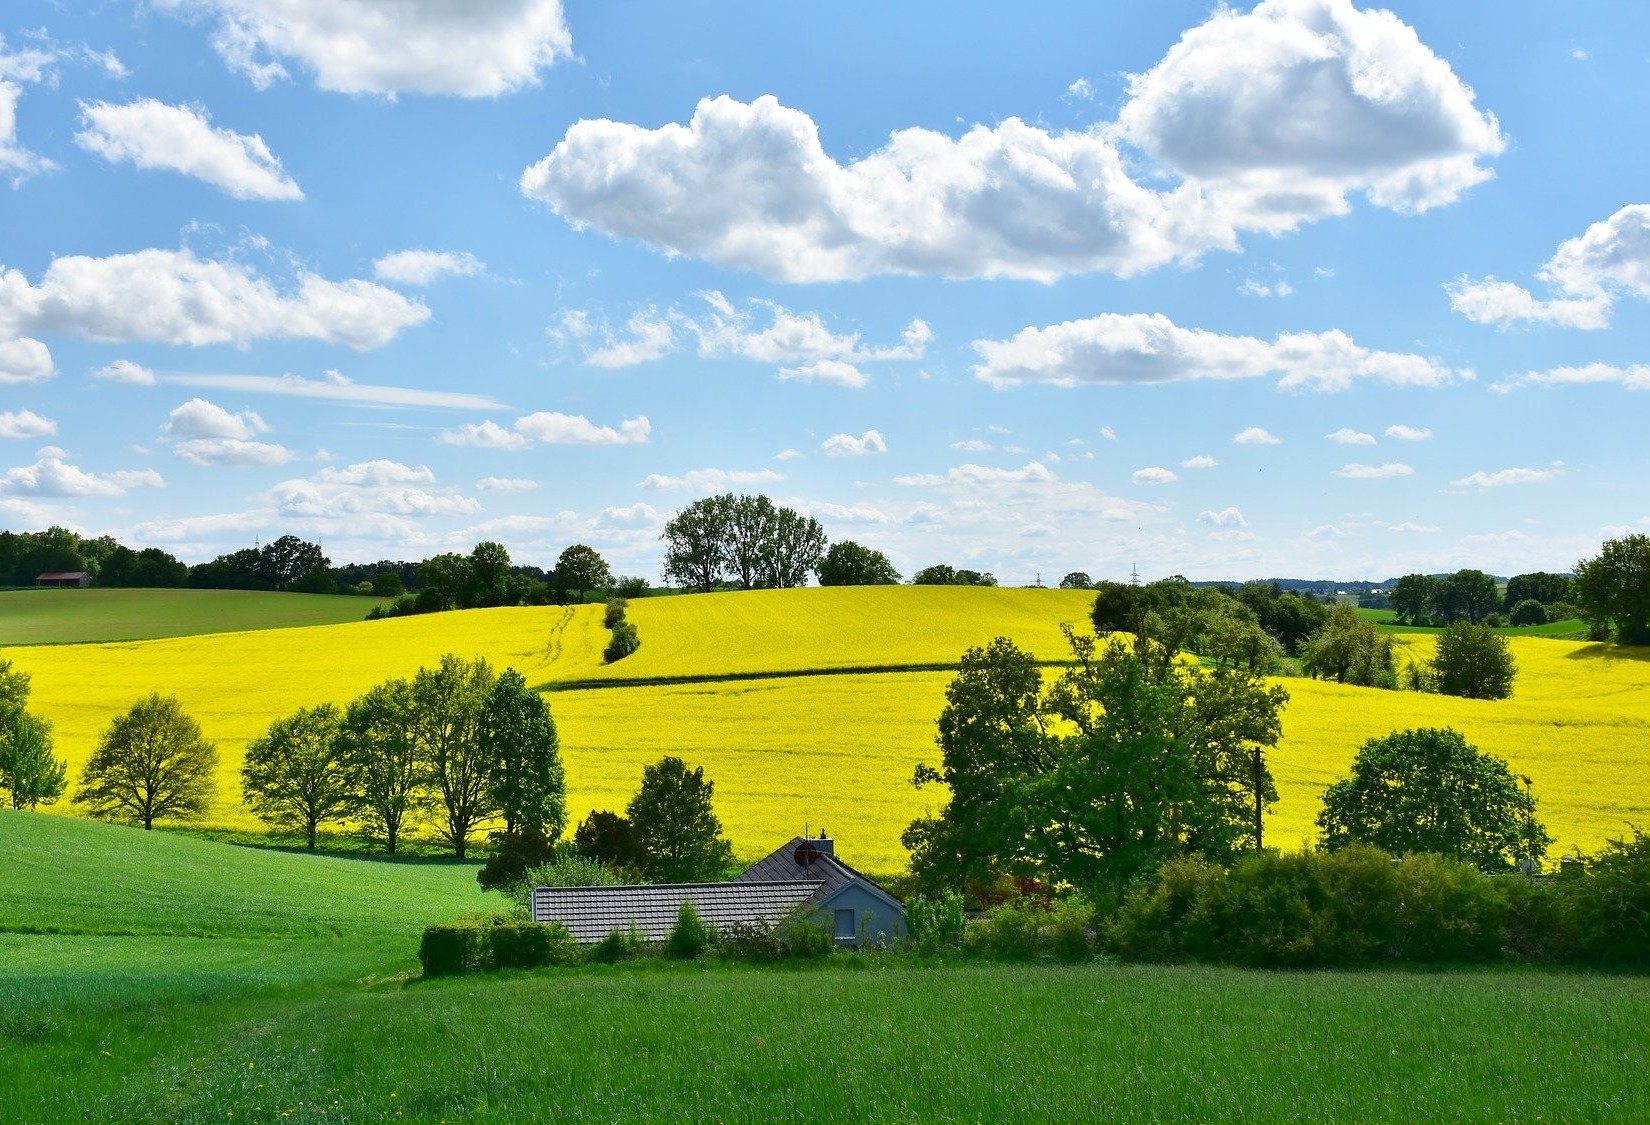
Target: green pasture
x: 73, y: 616
x: 192, y: 980
x: 1571, y: 629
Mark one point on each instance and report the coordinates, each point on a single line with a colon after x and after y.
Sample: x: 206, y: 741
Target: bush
x: 1537, y: 925
x: 1168, y: 918
x: 690, y: 936
x: 753, y: 941
x: 1450, y: 911
x: 568, y: 870
x: 1528, y: 612
x: 1008, y: 933
x: 527, y: 945
x: 452, y: 949
x: 1611, y: 904
x: 803, y: 935
x: 619, y: 945
x: 1495, y: 621
x: 624, y: 642
x: 614, y: 613
x: 611, y: 838
x: 1071, y: 930
x: 936, y: 923
x: 631, y: 587
x: 514, y: 854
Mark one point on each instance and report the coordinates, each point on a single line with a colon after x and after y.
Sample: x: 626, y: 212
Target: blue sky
x: 1299, y: 288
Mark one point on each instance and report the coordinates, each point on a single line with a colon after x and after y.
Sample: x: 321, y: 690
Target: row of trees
x: 743, y: 540
x: 1466, y: 595
x: 24, y: 555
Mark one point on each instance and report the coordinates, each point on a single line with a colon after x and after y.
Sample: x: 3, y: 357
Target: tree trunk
x: 311, y: 835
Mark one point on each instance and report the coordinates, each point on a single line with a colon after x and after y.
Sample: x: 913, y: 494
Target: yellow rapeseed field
x: 834, y: 750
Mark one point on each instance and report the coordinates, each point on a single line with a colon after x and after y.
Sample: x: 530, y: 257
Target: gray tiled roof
x: 826, y: 868
x: 591, y: 913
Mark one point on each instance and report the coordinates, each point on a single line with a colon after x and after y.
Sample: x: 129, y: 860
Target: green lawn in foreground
x: 307, y: 1009
x: 43, y: 617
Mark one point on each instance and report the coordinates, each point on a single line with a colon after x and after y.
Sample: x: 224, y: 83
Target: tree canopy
x: 1473, y: 661
x: 1612, y: 589
x: 1127, y: 760
x: 152, y: 763
x: 849, y: 564
x: 580, y: 569
x: 528, y: 785
x: 679, y: 830
x: 1428, y: 790
x: 746, y: 540
x: 296, y: 776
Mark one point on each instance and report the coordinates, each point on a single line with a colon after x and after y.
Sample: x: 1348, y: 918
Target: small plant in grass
x: 690, y: 936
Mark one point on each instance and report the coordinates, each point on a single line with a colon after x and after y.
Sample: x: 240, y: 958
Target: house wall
x: 875, y: 918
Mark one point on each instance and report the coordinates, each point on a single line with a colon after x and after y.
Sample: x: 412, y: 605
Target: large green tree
x: 1473, y: 661
x: 29, y: 771
x: 1540, y: 586
x: 448, y: 702
x: 527, y: 784
x: 152, y: 763
x: 1612, y: 589
x: 296, y: 774
x: 1350, y: 650
x: 750, y: 530
x: 448, y: 577
x: 580, y: 569
x: 387, y: 774
x: 696, y: 544
x: 849, y: 564
x: 679, y: 829
x: 1428, y: 790
x: 1467, y: 595
x: 1124, y: 762
x: 1415, y: 599
x: 489, y: 574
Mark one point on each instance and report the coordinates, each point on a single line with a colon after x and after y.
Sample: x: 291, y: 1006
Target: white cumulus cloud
x: 1125, y: 348
x: 1508, y: 476
x: 421, y: 267
x: 1255, y: 435
x: 712, y: 480
x: 1633, y: 378
x: 505, y: 484
x: 480, y: 48
x: 1348, y: 436
x: 847, y: 445
x: 204, y: 433
x: 53, y: 476
x: 1408, y: 433
x: 1201, y: 461
x: 125, y: 371
x: 1156, y: 474
x: 24, y: 360
x: 548, y: 427
x: 1226, y: 517
x: 18, y: 68
x: 1386, y: 471
x: 25, y: 424
x: 174, y: 138
x: 1587, y: 273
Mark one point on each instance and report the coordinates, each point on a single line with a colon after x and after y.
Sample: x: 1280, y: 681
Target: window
x: 845, y: 925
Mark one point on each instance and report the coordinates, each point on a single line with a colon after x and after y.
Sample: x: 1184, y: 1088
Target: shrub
x: 614, y: 613
x: 1536, y: 920
x: 452, y: 949
x: 619, y: 945
x: 753, y: 941
x: 1167, y: 919
x: 1529, y: 612
x: 1611, y: 905
x: 936, y: 923
x: 1011, y: 932
x: 514, y: 854
x: 624, y: 642
x: 803, y: 935
x: 527, y: 945
x: 611, y: 838
x: 571, y: 870
x: 1450, y: 911
x: 1071, y: 930
x: 690, y: 936
x: 631, y: 587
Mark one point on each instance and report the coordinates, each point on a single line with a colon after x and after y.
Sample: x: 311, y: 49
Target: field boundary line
x: 736, y: 677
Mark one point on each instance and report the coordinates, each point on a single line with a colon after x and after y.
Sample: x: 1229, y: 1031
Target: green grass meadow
x: 1570, y: 629
x: 72, y: 616
x: 192, y: 980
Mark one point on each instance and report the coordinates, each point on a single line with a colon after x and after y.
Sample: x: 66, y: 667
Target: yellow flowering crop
x: 834, y: 750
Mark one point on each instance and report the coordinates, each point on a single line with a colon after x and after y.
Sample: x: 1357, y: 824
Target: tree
x: 151, y: 763
x: 1415, y: 598
x: 1350, y: 650
x: 612, y: 839
x: 289, y: 558
x: 1427, y: 790
x: 849, y: 564
x: 296, y: 775
x: 1612, y: 590
x: 679, y: 830
x: 387, y: 775
x: 750, y: 529
x: 1528, y: 612
x: 581, y: 569
x: 1124, y: 762
x: 1467, y: 595
x: 387, y: 584
x: 28, y: 769
x: 937, y: 575
x: 447, y: 705
x: 447, y: 576
x: 1473, y: 661
x: 696, y: 544
x: 1077, y: 580
x: 1541, y: 586
x: 489, y: 573
x: 527, y: 785
x: 798, y: 545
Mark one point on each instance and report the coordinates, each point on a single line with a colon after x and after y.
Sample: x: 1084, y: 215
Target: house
x: 64, y: 578
x: 803, y: 875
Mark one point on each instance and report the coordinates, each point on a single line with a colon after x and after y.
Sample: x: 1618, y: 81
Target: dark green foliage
x: 1287, y: 617
x: 1129, y: 759
x: 1415, y: 599
x: 620, y: 945
x: 1528, y: 612
x: 580, y: 569
x: 935, y: 922
x: 489, y: 575
x: 943, y: 575
x: 388, y: 584
x: 631, y: 587
x: 521, y: 750
x: 446, y: 578
x: 1540, y: 587
x: 696, y: 544
x: 1611, y: 905
x: 1031, y: 928
x: 1427, y: 790
x: 1474, y: 662
x: 450, y: 950
x: 690, y: 936
x: 151, y: 763
x: 614, y: 612
x: 514, y: 854
x: 747, y: 540
x: 609, y: 838
x: 1350, y: 650
x: 29, y: 771
x: 849, y: 564
x: 448, y: 704
x: 1466, y: 595
x: 387, y: 772
x: 296, y: 775
x: 623, y: 642
x: 1077, y: 580
x: 797, y: 935
x: 680, y: 833
x: 528, y: 945
x: 1612, y: 591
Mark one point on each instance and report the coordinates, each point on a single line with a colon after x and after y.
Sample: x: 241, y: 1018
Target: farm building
x: 69, y: 578
x: 803, y: 875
